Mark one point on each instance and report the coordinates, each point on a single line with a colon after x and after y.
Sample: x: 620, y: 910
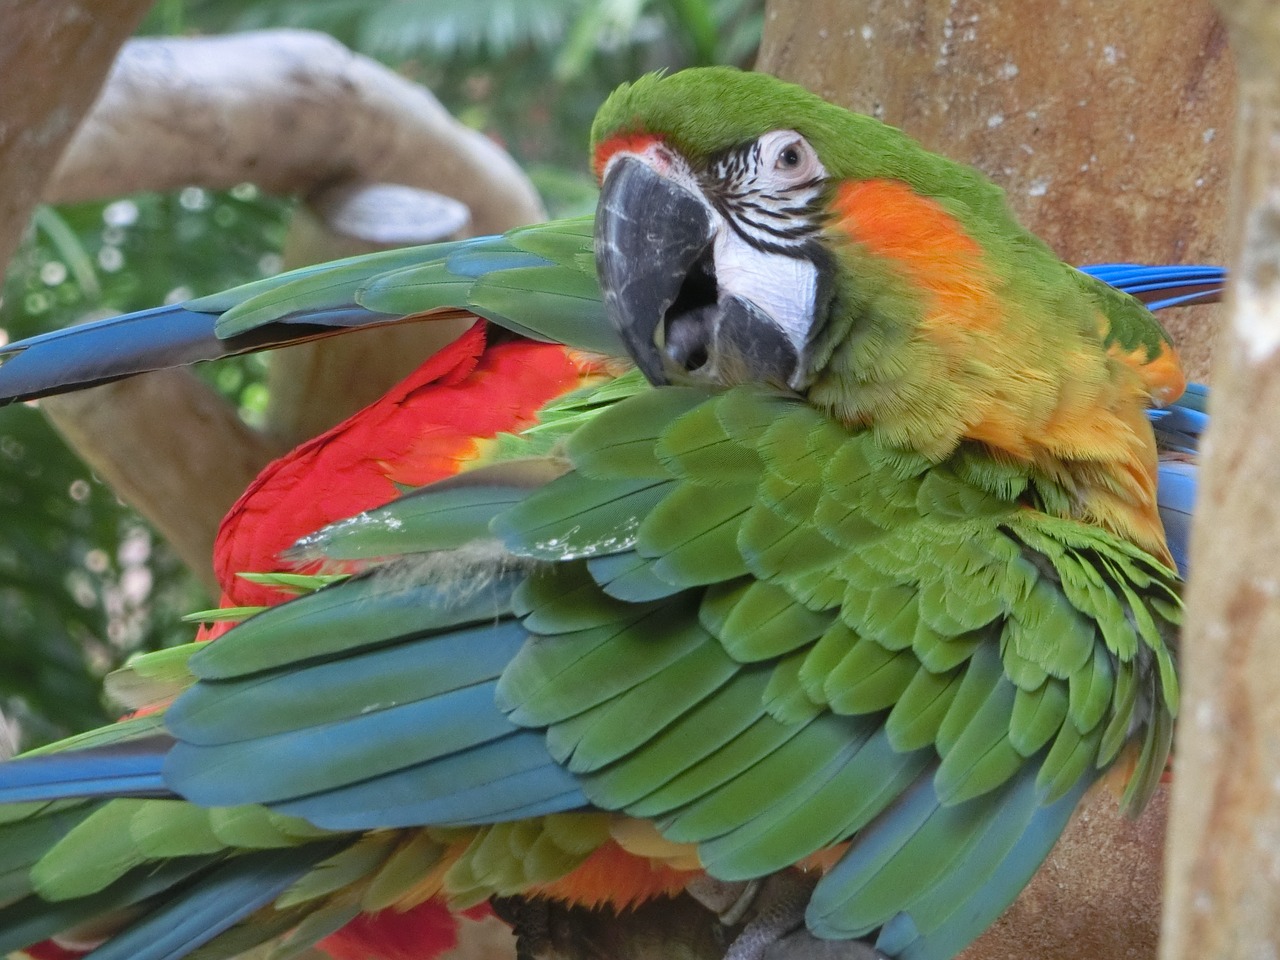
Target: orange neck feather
x: 978, y: 367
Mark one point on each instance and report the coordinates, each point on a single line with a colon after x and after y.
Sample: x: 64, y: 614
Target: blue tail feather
x: 128, y: 769
x: 1160, y: 287
x: 32, y: 919
x: 213, y: 904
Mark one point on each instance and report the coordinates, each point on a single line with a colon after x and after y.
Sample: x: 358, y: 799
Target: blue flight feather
x: 999, y: 882
x: 475, y: 259
x: 32, y: 920
x: 286, y: 766
x: 1182, y: 285
x: 496, y: 781
x: 126, y: 769
x: 106, y: 350
x: 215, y: 903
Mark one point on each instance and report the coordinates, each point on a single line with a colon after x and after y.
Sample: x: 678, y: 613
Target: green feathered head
x: 748, y: 230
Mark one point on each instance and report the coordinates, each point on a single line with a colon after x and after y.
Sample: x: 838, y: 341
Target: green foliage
x: 83, y: 582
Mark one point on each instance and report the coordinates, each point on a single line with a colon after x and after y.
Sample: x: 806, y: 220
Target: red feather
x: 423, y: 429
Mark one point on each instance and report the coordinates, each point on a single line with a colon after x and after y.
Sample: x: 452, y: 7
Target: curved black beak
x: 654, y: 256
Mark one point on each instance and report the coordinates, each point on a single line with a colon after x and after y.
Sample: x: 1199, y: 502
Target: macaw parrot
x: 864, y: 576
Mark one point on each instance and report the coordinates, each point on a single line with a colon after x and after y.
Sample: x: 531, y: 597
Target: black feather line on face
x: 726, y: 182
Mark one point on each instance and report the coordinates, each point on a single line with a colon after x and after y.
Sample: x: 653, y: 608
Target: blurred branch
x: 169, y: 445
x: 1224, y: 849
x: 288, y: 110
x: 296, y: 113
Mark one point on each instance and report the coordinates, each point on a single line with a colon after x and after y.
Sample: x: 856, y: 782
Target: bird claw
x: 776, y: 928
x: 779, y: 903
x: 727, y: 899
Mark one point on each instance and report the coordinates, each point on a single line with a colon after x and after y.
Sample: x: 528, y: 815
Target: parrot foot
x: 529, y: 921
x: 776, y: 930
x: 779, y: 905
x: 727, y: 899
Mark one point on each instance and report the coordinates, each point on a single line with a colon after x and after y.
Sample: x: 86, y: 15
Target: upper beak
x: 654, y: 241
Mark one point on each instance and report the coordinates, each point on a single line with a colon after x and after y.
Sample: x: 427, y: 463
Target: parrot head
x: 708, y: 227
x: 749, y: 231
x: 721, y: 240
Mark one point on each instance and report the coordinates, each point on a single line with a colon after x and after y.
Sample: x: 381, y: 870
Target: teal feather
x: 620, y: 442
x: 914, y: 720
x: 1091, y: 691
x: 563, y: 598
x: 444, y: 516
x: 785, y: 698
x: 24, y: 842
x: 621, y: 725
x: 575, y: 517
x: 221, y: 898
x: 630, y: 577
x: 822, y: 808
x: 719, y: 811
x: 982, y: 756
x: 868, y: 677
x: 998, y: 865
x: 32, y: 920
x: 696, y: 447
x: 1070, y: 759
x: 761, y: 740
x: 338, y: 620
x: 504, y: 779
x: 1037, y: 715
x: 682, y: 745
x: 561, y: 677
x: 693, y: 533
x: 1125, y: 701
x: 983, y: 675
x: 900, y: 857
x: 334, y: 691
x: 756, y: 620
x: 774, y: 548
x: 288, y: 765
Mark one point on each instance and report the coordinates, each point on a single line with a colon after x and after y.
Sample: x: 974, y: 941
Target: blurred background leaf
x: 83, y: 581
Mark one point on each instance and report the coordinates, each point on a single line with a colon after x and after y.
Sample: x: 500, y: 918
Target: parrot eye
x: 788, y: 160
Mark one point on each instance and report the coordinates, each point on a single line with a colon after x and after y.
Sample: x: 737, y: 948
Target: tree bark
x: 1224, y: 853
x: 181, y: 463
x: 54, y: 56
x: 1108, y: 126
x: 289, y: 110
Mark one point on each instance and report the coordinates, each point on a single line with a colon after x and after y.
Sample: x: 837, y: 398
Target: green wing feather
x: 975, y: 637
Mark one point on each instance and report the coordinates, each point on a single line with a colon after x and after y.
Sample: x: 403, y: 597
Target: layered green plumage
x: 779, y: 634
x: 963, y: 650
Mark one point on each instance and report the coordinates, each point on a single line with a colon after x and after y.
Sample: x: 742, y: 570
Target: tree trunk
x: 54, y: 56
x: 1224, y: 852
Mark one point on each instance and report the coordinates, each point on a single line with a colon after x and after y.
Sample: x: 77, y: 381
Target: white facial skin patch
x: 781, y: 286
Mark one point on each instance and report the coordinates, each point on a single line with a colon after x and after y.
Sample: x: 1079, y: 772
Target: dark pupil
x: 790, y: 157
